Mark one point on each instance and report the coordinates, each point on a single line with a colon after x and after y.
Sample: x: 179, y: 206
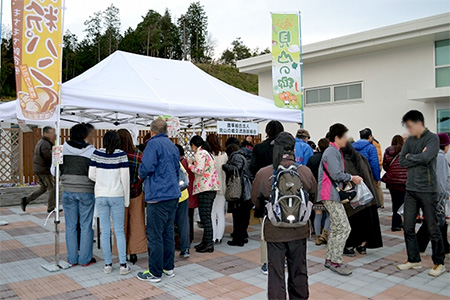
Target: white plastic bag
x: 363, y: 196
x: 401, y: 210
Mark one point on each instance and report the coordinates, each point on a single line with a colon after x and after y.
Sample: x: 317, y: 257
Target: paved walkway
x: 228, y: 273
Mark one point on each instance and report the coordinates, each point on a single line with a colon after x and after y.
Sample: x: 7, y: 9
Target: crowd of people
x: 152, y: 191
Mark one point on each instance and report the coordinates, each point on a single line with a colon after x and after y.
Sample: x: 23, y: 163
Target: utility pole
x: 184, y: 39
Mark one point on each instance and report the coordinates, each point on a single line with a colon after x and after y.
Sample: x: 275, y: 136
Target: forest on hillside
x: 157, y: 35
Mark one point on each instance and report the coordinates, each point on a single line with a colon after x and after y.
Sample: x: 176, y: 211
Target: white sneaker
x: 408, y: 265
x: 169, y: 273
x: 437, y: 270
x: 107, y: 269
x: 125, y: 270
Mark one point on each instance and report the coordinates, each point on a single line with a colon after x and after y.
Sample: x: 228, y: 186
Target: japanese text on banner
x: 286, y: 61
x: 37, y: 38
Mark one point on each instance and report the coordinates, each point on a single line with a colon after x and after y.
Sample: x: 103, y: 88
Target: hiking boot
x: 107, y: 269
x: 327, y: 263
x: 205, y: 248
x: 409, y: 265
x: 147, y: 276
x: 349, y: 252
x: 264, y: 269
x: 125, y: 269
x: 185, y: 254
x: 23, y: 204
x: 341, y: 269
x: 169, y: 273
x: 437, y: 270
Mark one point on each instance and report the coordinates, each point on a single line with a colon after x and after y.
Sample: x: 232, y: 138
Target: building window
x: 442, y: 63
x: 334, y: 93
x: 443, y: 120
x: 348, y: 92
x: 318, y: 95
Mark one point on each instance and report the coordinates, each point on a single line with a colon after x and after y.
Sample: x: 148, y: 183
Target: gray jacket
x: 421, y: 164
x: 443, y: 175
x: 333, y: 161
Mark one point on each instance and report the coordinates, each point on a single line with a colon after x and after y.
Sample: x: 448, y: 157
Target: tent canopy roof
x: 141, y: 87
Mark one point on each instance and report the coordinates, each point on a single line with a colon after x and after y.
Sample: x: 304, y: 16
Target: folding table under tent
x: 131, y: 88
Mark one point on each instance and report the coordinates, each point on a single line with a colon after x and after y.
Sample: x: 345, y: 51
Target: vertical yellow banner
x: 286, y: 61
x: 37, y: 41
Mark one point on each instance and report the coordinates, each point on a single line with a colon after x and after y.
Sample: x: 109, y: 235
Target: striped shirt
x: 111, y: 174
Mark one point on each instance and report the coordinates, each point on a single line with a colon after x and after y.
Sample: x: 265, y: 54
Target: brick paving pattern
x: 228, y: 273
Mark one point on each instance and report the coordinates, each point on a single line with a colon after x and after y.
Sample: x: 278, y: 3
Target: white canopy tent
x: 130, y: 88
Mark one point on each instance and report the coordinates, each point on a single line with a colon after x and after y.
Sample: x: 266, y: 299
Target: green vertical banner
x: 286, y: 61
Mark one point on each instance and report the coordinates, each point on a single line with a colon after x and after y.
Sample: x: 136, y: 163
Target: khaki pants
x: 46, y: 183
x: 263, y: 245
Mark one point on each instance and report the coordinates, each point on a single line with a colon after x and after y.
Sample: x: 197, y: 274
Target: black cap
x: 284, y: 139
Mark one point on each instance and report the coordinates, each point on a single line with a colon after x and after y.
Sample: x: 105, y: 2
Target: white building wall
x: 387, y: 75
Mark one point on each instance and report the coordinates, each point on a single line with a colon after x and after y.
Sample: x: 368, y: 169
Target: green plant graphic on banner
x: 286, y: 61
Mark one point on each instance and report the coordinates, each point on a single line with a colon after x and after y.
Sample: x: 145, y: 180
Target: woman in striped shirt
x: 109, y: 169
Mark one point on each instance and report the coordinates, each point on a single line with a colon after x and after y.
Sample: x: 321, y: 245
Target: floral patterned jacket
x: 206, y: 175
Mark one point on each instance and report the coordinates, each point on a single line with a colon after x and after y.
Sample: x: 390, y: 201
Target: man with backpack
x: 285, y: 185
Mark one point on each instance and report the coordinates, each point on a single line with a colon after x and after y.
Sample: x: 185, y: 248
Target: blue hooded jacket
x: 160, y: 168
x: 303, y: 152
x: 369, y: 151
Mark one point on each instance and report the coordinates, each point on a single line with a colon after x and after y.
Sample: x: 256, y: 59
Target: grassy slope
x: 231, y: 75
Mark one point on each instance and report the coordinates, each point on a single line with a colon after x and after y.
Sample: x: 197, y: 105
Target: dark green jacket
x: 421, y: 164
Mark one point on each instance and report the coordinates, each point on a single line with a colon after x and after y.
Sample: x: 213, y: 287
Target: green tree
x: 94, y: 31
x: 170, y: 40
x: 130, y: 42
x: 111, y: 21
x: 237, y: 52
x: 7, y: 75
x: 70, y: 48
x: 195, y: 22
x: 150, y: 33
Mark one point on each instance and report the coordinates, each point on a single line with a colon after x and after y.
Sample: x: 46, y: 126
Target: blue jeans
x: 79, y: 205
x: 160, y: 235
x: 182, y: 221
x: 115, y: 206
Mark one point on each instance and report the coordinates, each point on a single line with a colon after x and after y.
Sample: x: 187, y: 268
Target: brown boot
x: 324, y: 236
x: 320, y: 240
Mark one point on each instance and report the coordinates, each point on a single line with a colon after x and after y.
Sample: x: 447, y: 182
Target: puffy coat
x: 369, y: 151
x: 395, y: 177
x: 303, y: 152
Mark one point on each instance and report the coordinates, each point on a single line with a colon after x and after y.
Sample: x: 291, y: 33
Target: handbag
x: 346, y: 194
x: 233, y: 191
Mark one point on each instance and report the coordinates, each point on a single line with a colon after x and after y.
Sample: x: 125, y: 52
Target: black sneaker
x: 349, y: 252
x: 361, y: 250
x: 185, y: 254
x: 23, y: 204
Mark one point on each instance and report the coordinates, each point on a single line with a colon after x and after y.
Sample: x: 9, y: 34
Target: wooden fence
x: 17, y: 148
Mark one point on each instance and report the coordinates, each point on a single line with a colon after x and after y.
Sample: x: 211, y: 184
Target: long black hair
x: 198, y: 141
x: 111, y: 141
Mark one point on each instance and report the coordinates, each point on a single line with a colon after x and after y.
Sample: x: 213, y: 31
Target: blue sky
x: 250, y: 19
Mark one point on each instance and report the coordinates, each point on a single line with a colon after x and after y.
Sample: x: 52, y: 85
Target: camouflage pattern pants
x: 339, y: 231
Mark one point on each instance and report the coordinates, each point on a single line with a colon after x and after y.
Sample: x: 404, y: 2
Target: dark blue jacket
x: 369, y: 151
x: 160, y: 168
x: 303, y: 152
